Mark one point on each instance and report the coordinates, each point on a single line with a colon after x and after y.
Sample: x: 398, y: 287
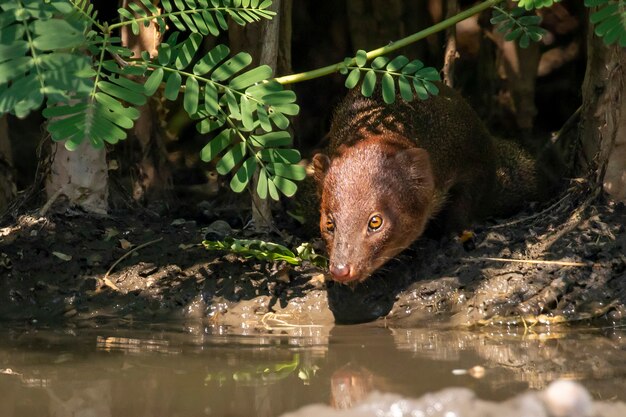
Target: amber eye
x: 375, y: 222
x: 330, y: 226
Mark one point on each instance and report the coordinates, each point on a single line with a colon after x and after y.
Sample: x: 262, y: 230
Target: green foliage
x: 412, y: 77
x: 609, y: 20
x: 198, y: 16
x: 58, y: 52
x: 536, y: 4
x: 248, y: 112
x: 35, y: 65
x: 267, y: 251
x: 516, y: 25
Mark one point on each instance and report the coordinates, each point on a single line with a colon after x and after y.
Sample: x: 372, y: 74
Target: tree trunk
x: 269, y: 43
x: 7, y: 184
x: 519, y: 67
x: 81, y: 176
x: 153, y: 179
x: 603, y: 116
x: 375, y: 23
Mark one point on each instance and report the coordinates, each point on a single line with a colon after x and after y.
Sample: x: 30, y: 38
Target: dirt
x: 562, y: 262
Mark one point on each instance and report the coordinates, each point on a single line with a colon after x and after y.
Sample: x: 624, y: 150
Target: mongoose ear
x: 321, y: 163
x: 417, y: 163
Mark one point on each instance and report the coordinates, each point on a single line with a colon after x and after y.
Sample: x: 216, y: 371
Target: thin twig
x: 106, y: 279
x: 51, y: 201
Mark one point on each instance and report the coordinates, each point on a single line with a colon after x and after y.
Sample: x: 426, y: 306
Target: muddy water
x: 205, y: 371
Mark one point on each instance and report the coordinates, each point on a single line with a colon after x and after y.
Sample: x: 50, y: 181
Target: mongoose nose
x: 340, y: 271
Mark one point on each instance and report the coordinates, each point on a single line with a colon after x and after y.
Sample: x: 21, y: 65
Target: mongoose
x: 392, y: 169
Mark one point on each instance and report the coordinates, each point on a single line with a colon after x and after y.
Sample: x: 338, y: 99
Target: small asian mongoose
x: 392, y: 169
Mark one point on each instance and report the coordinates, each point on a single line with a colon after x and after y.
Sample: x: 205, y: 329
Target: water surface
x: 214, y: 371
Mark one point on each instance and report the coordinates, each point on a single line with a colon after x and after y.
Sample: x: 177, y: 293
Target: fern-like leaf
x: 35, y: 65
x: 609, y: 20
x: 412, y: 77
x: 198, y: 16
x: 516, y: 25
x: 102, y: 117
x: 235, y: 102
x: 536, y: 4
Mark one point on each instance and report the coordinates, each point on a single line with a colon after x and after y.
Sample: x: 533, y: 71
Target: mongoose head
x: 376, y: 198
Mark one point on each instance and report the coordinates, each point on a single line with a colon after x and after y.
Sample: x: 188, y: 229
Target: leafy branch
x: 239, y: 106
x: 83, y: 72
x: 267, y: 251
x: 609, y: 20
x: 393, y: 46
x: 536, y: 4
x: 410, y: 75
x: 198, y: 16
x: 517, y: 26
x: 35, y: 65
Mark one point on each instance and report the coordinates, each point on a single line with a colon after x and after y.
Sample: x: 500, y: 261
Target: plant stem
x: 308, y: 75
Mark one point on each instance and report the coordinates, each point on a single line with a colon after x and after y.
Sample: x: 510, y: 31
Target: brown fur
x: 407, y: 163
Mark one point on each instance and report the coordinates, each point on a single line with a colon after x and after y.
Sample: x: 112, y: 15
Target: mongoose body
x: 392, y: 169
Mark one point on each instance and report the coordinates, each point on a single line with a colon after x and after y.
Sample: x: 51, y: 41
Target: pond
x: 204, y: 370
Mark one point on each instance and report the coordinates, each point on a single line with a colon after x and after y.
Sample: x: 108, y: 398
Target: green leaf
x: 211, y: 59
x: 361, y: 57
x: 524, y: 41
x: 231, y: 158
x: 431, y: 88
x: 353, y: 78
x: 280, y: 120
x: 286, y: 186
x: 271, y: 187
x: 397, y: 63
x: 221, y: 21
x: 428, y: 73
x: 290, y: 156
x: 231, y: 66
x: 165, y: 54
x: 294, y: 172
x: 65, y: 35
x: 369, y: 83
x: 389, y: 88
x: 153, y: 82
x: 379, y: 62
x: 251, y: 77
x: 192, y: 92
x: 273, y: 139
x: 421, y: 91
x: 14, y: 50
x: 210, y: 98
x: 264, y: 119
x: 233, y: 105
x: 261, y: 186
x: 187, y: 50
x: 263, y: 89
x: 405, y: 88
x: 247, y: 109
x: 279, y: 97
x: 290, y: 109
x: 172, y: 86
x: 122, y: 93
x: 514, y: 34
x: 210, y: 22
x: 240, y: 180
x: 413, y: 67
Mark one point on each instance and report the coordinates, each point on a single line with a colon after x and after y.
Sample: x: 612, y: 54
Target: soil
x: 563, y: 262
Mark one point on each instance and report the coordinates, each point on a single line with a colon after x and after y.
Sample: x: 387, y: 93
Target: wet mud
x: 563, y: 262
